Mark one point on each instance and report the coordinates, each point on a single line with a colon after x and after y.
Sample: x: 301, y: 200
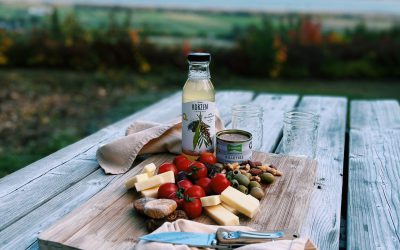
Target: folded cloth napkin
x: 143, y: 137
x: 182, y: 225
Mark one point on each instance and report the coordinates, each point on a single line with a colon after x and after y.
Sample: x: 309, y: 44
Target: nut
x: 257, y: 163
x: 246, y: 167
x: 255, y: 178
x: 252, y: 165
x: 243, y: 171
x: 255, y: 171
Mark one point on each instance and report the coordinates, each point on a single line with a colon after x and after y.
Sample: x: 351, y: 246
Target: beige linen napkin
x: 182, y: 225
x: 143, y: 137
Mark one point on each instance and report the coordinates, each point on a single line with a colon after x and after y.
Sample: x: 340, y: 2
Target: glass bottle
x: 198, y: 107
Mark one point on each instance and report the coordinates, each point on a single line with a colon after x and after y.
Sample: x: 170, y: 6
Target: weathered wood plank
x: 108, y: 220
x: 67, y: 175
x: 323, y: 220
x: 373, y: 217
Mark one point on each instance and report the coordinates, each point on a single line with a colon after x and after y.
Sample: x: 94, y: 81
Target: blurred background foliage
x: 67, y: 71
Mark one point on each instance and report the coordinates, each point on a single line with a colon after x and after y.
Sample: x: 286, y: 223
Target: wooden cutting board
x: 108, y: 219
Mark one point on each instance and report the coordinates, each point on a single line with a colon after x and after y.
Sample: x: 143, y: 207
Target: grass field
x: 43, y: 111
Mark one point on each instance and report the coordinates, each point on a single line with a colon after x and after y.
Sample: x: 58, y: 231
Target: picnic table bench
x: 37, y: 196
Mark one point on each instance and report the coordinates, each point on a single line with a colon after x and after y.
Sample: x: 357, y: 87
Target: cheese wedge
x: 231, y: 209
x: 222, y: 216
x: 150, y: 169
x: 212, y: 200
x: 240, y: 201
x: 140, y: 177
x: 150, y: 193
x: 155, y: 181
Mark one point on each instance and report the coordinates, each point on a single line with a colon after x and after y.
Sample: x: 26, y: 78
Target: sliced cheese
x: 168, y: 177
x: 222, y: 216
x: 240, y: 201
x: 149, y: 169
x: 131, y: 183
x: 150, y: 193
x: 212, y: 200
x: 231, y: 209
x: 154, y: 181
x: 253, y: 199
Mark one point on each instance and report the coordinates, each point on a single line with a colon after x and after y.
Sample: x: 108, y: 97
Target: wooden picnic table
x: 37, y: 196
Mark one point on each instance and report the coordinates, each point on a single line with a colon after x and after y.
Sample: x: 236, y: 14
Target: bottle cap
x: 199, y: 57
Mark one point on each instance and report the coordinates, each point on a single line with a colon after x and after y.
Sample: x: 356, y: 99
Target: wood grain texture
x: 44, y: 198
x: 323, y: 219
x: 109, y: 221
x: 373, y: 217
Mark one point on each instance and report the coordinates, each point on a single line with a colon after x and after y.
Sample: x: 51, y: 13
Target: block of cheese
x: 253, y: 199
x: 212, y: 200
x: 140, y: 177
x: 150, y: 193
x: 231, y: 209
x: 150, y: 169
x: 154, y: 181
x: 168, y: 177
x: 222, y: 216
x: 240, y: 201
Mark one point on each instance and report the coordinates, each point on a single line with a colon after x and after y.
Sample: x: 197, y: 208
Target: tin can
x: 233, y: 145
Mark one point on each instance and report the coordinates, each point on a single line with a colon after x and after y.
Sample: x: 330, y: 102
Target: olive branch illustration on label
x: 201, y: 132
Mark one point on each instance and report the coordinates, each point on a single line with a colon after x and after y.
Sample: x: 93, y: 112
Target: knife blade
x: 222, y: 239
x: 183, y: 238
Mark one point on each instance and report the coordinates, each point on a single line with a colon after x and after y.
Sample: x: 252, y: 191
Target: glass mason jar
x: 249, y: 118
x: 300, y: 134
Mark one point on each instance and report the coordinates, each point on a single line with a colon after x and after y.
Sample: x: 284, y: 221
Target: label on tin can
x: 198, y: 127
x: 229, y: 152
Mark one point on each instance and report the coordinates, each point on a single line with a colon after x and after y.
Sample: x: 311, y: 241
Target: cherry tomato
x: 185, y: 184
x: 178, y: 197
x: 166, y: 190
x: 182, y: 163
x: 165, y: 167
x: 205, y: 183
x: 207, y: 157
x: 195, y: 191
x: 197, y: 170
x: 192, y: 208
x: 219, y: 183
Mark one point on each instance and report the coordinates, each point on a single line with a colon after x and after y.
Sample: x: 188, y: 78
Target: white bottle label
x: 198, y: 127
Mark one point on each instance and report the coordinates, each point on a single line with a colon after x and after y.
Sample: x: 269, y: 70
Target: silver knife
x: 222, y: 239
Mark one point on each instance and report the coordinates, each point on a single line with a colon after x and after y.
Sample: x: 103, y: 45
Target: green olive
x: 236, y: 171
x: 248, y: 175
x: 257, y: 192
x: 219, y: 165
x: 242, y: 179
x: 253, y: 184
x: 267, y: 178
x: 243, y: 189
x: 235, y: 183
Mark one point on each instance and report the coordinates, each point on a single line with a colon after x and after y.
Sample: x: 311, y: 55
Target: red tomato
x: 219, y: 183
x: 166, y: 190
x: 205, y: 183
x: 192, y: 208
x: 182, y: 163
x: 185, y: 184
x: 165, y: 167
x: 178, y: 197
x: 197, y: 170
x: 207, y: 157
x: 195, y: 191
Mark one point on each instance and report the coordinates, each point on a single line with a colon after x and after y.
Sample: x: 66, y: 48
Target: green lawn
x: 42, y: 111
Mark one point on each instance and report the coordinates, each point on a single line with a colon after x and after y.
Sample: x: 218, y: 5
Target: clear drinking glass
x: 249, y: 118
x: 300, y: 134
